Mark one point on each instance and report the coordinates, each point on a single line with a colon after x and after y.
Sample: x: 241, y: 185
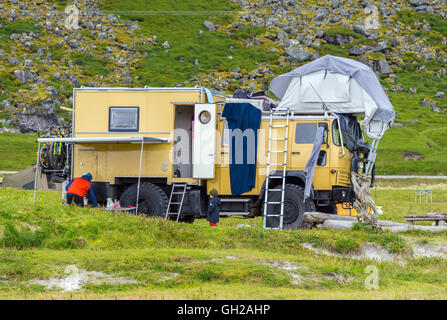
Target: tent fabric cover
x: 363, y: 75
x: 312, y: 163
x: 242, y: 116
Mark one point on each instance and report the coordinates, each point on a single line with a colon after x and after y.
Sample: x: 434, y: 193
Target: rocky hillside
x: 42, y: 60
x: 227, y: 44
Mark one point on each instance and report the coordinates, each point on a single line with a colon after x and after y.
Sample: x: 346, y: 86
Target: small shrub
x: 21, y: 237
x: 20, y: 27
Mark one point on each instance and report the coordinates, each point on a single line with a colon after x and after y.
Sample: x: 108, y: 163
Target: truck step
x: 235, y: 200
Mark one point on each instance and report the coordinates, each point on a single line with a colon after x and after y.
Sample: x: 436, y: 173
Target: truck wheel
x: 153, y: 201
x: 294, y: 207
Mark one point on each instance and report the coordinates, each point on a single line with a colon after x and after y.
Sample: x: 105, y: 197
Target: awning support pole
x: 139, y: 174
x: 36, y: 175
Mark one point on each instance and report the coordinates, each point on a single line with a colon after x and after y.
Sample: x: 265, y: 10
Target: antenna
x: 324, y: 104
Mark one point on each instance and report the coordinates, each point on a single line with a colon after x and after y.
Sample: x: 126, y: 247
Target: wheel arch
x: 297, y: 177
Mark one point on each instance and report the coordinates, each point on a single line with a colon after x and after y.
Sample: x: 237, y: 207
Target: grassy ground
x: 194, y: 261
x: 17, y: 151
x: 397, y: 197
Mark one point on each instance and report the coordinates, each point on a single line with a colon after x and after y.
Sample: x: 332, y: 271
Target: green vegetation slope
x: 225, y: 45
x: 237, y: 260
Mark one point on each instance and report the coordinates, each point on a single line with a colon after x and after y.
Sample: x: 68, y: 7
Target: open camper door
x: 204, y: 144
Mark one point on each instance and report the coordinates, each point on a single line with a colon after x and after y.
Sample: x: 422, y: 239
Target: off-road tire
x: 294, y: 207
x: 153, y: 201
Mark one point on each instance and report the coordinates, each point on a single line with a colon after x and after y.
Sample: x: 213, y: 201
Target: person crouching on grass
x: 77, y: 188
x: 213, y: 208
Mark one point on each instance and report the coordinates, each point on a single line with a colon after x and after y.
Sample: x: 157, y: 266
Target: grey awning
x: 108, y: 140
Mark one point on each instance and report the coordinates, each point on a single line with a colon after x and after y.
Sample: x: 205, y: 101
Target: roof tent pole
x: 36, y: 175
x: 139, y: 173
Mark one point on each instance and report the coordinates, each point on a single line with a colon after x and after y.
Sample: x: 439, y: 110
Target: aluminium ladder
x: 269, y: 176
x: 176, y: 199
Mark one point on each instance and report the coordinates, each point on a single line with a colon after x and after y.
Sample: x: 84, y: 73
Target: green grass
x: 437, y: 23
x: 91, y: 65
x: 17, y: 151
x: 341, y: 30
x: 397, y: 197
x: 7, y: 82
x: 195, y: 261
x: 182, y: 31
x: 76, y: 228
x: 20, y: 26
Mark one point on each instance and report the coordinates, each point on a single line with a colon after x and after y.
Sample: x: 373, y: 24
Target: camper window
x: 124, y: 118
x: 305, y: 133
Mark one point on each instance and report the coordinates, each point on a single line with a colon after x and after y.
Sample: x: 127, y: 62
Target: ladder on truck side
x: 176, y: 199
x: 268, y: 192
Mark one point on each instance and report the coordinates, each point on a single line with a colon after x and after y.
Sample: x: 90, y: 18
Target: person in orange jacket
x: 77, y: 188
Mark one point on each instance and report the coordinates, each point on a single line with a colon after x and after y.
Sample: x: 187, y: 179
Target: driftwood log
x: 332, y: 221
x: 320, y: 218
x: 338, y: 224
x: 364, y: 201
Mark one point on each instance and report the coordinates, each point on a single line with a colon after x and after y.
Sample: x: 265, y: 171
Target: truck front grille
x: 343, y: 178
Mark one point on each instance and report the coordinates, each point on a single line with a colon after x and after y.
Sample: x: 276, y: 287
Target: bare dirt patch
x: 168, y: 276
x: 373, y: 251
x: 430, y: 250
x: 340, y: 278
x: 412, y: 156
x: 369, y: 251
x: 76, y: 279
x: 289, y: 267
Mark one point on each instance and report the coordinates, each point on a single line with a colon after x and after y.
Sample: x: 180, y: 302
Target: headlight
x: 204, y: 117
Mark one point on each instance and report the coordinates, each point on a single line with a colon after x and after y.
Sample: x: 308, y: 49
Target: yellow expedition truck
x: 163, y: 149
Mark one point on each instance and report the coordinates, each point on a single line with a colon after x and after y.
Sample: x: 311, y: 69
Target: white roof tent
x: 101, y: 140
x: 339, y: 85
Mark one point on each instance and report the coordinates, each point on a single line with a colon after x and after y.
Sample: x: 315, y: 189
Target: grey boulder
x: 298, y: 54
x: 384, y: 67
x: 24, y: 76
x: 210, y: 26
